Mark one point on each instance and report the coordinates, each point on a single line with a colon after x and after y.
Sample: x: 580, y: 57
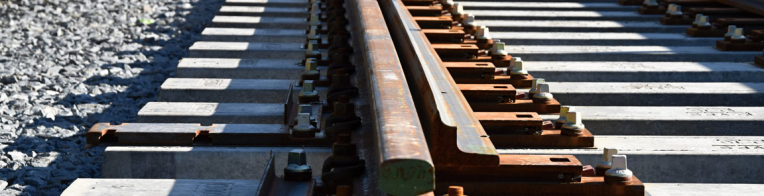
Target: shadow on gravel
x: 56, y: 166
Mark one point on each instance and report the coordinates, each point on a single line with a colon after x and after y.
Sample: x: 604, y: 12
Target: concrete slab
x: 161, y: 187
x: 670, y: 120
x: 609, y: 6
x: 561, y: 15
x: 239, y: 68
x: 296, y: 3
x: 685, y: 159
x: 622, y: 71
x: 259, y: 22
x: 201, y: 162
x: 628, y: 53
x: 263, y: 11
x: 588, y: 38
x: 229, y: 90
x: 695, y: 189
x: 579, y: 26
x: 209, y: 113
x: 658, y: 93
x: 253, y: 35
x: 205, y: 49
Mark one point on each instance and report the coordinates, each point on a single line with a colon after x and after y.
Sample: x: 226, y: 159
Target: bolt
x: 498, y: 49
x: 314, y: 20
x: 297, y: 168
x: 730, y: 32
x: 483, y: 33
x: 697, y: 19
x: 738, y: 35
x: 315, y: 8
x: 703, y: 21
x: 308, y: 93
x: 563, y: 113
x: 518, y: 72
x: 606, y: 162
x: 311, y: 70
x: 542, y: 94
x: 305, y: 108
x: 469, y: 20
x: 619, y: 172
x: 650, y: 3
x: 312, y: 50
x: 313, y: 35
x: 457, y: 9
x: 303, y: 129
x: 573, y: 125
x: 674, y: 10
x: 534, y: 86
x: 455, y: 191
x: 342, y: 148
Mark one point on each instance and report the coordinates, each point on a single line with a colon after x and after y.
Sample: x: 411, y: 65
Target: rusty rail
x: 448, y: 111
x: 405, y: 166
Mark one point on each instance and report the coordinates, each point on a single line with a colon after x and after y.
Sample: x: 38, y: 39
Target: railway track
x: 412, y: 97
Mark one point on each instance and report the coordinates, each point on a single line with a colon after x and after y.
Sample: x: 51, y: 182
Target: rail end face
x: 406, y: 177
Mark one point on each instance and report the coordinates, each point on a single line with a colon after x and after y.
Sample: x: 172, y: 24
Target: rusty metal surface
x: 755, y: 6
x: 458, y: 138
x: 405, y: 165
x: 195, y: 134
x: 589, y: 186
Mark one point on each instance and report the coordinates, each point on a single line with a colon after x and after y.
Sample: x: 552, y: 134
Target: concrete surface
x: 253, y: 35
x: 161, y: 187
x: 263, y: 11
x: 622, y: 71
x: 579, y: 26
x: 297, y: 3
x: 259, y: 22
x: 670, y: 120
x: 240, y: 68
x: 209, y: 113
x: 682, y: 159
x: 252, y: 50
x: 557, y: 15
x: 696, y: 189
x: 229, y: 90
x: 201, y: 162
x: 609, y: 6
x: 628, y: 53
x: 658, y: 93
x: 584, y: 38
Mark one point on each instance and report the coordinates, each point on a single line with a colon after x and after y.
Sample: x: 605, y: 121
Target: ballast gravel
x: 67, y: 64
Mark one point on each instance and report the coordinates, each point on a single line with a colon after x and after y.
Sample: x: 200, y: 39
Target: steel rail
x: 754, y: 6
x: 405, y: 165
x: 450, y: 116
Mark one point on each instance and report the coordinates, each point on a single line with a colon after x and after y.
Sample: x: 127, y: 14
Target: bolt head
x: 573, y: 117
x: 607, y: 156
x: 308, y: 86
x: 564, y: 110
x: 542, y: 88
x: 297, y: 157
x: 619, y: 162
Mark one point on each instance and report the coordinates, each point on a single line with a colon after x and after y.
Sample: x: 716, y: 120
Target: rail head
x: 405, y: 167
x: 447, y: 106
